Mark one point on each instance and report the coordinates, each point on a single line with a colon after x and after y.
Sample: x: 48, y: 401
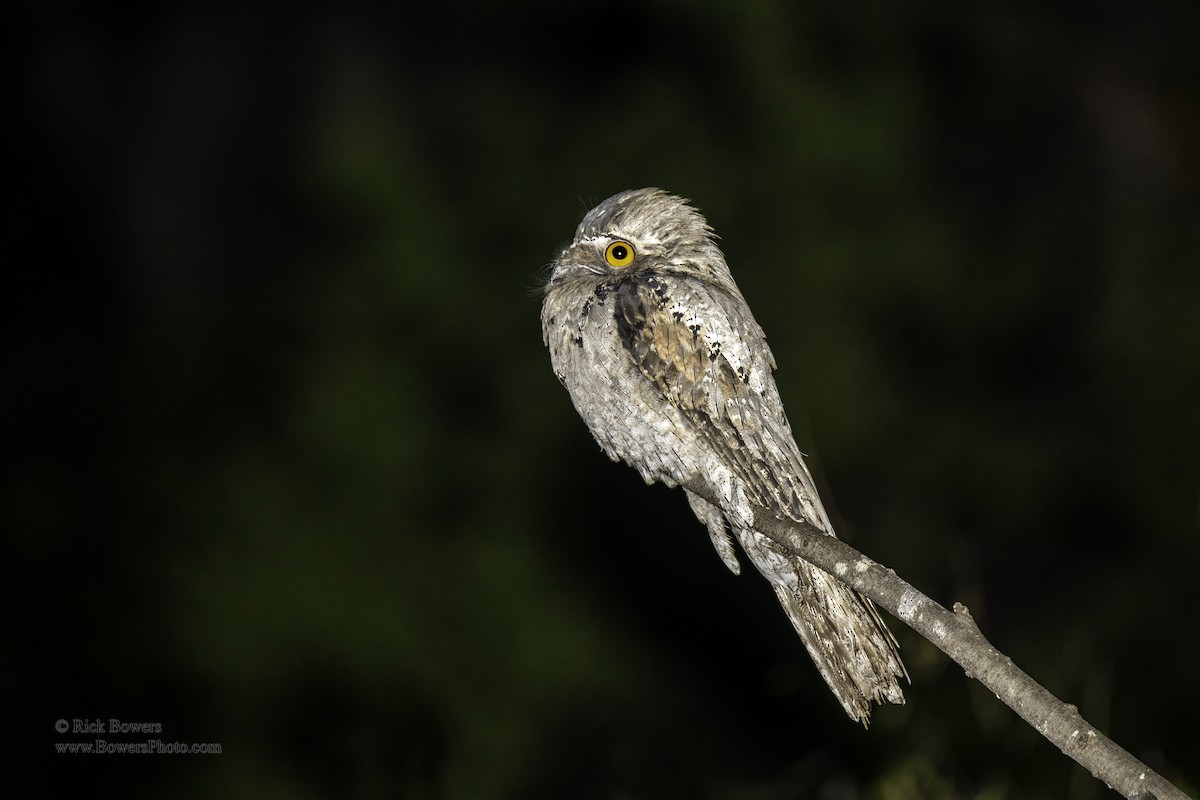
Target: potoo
x: 667, y: 366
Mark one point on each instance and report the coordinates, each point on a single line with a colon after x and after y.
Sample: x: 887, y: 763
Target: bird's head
x: 641, y: 230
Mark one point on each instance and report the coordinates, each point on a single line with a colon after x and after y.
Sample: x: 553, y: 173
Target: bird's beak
x: 566, y: 267
x: 558, y: 272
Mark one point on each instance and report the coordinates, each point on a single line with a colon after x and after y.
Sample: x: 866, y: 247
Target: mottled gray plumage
x: 666, y: 365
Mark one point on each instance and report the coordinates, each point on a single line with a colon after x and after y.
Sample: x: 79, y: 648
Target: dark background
x: 287, y: 468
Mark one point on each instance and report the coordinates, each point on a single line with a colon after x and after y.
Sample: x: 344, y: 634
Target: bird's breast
x: 625, y: 413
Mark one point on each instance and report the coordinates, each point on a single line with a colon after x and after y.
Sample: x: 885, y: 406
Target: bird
x: 666, y: 365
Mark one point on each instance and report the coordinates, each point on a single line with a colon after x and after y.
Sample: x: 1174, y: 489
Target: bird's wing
x: 700, y: 346
x: 704, y: 352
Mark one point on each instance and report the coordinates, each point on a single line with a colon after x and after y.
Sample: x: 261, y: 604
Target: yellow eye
x: 619, y: 254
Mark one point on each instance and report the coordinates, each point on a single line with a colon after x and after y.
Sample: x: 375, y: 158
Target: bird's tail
x: 853, y: 649
x: 848, y: 641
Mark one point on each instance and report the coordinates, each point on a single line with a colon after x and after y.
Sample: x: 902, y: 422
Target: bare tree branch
x: 956, y: 635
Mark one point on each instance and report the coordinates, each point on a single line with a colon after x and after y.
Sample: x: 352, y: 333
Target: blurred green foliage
x: 288, y: 470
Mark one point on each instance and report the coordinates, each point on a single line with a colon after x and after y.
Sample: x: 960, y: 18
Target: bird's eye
x: 619, y: 254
